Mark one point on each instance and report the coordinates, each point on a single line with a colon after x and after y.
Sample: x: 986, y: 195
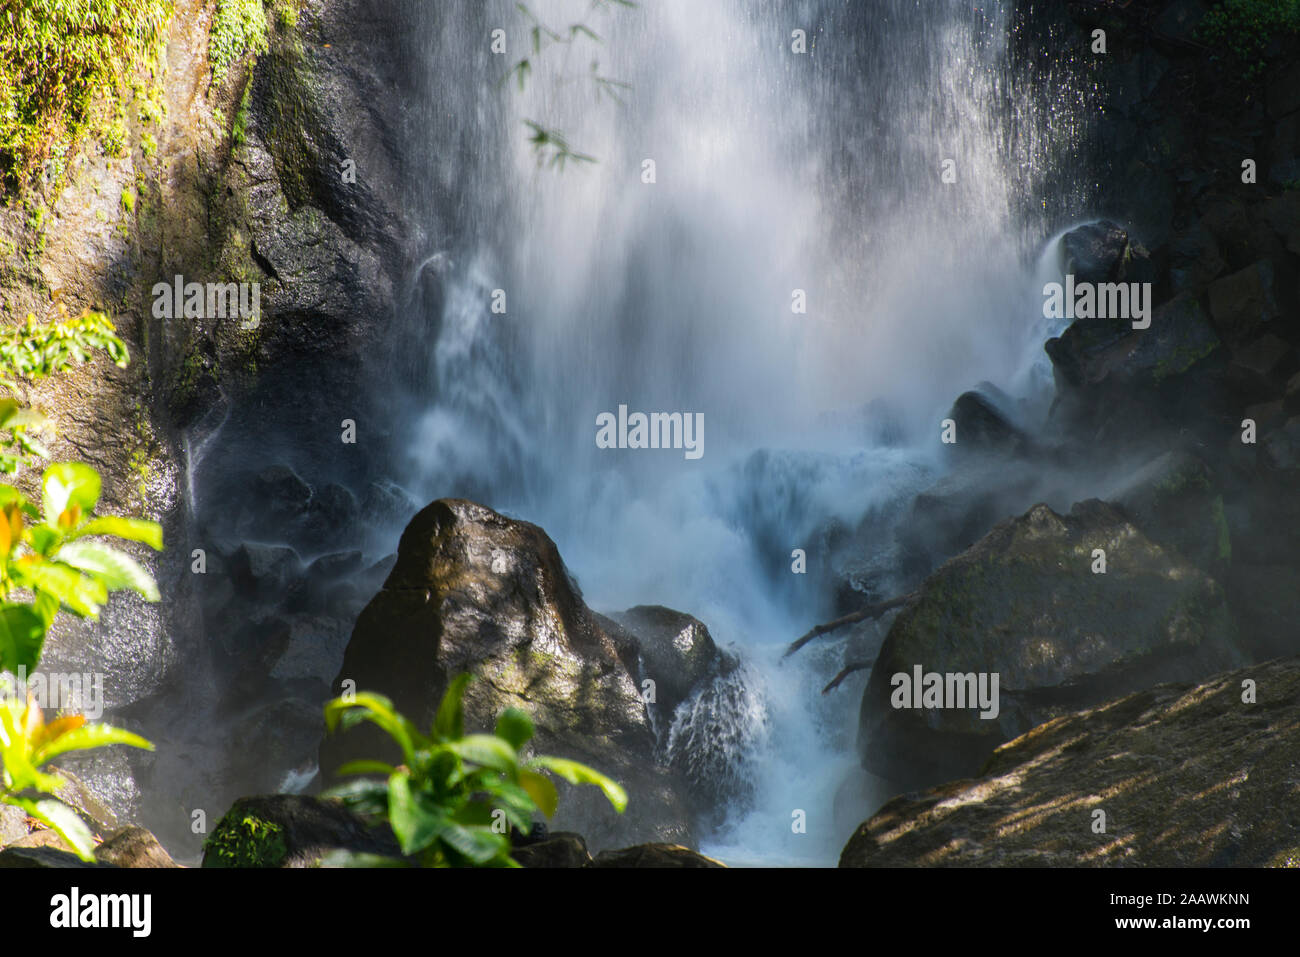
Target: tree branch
x: 863, y: 614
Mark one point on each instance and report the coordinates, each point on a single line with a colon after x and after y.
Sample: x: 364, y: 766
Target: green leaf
x: 450, y: 720
x: 416, y: 820
x: 131, y: 529
x: 368, y: 706
x: 79, y: 593
x: 68, y: 483
x: 515, y: 727
x: 64, y: 820
x: 85, y: 737
x: 541, y: 789
x: 487, y: 750
x: 576, y: 773
x: 365, y: 767
x: 117, y: 570
x: 478, y: 844
x: 22, y: 634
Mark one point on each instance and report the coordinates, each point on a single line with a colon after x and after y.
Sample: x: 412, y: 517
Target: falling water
x: 777, y: 176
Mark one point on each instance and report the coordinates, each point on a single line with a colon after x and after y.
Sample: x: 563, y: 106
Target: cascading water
x: 778, y: 176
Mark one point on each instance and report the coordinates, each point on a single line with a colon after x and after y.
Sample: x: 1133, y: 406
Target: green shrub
x: 453, y: 800
x: 58, y: 60
x: 1240, y: 30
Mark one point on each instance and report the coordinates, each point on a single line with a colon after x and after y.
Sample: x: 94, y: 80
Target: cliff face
x: 295, y: 175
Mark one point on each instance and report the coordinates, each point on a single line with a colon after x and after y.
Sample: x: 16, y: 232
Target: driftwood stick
x: 847, y: 670
x: 862, y: 614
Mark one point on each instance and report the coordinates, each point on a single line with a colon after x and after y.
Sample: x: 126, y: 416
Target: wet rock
x: 1264, y: 365
x: 263, y: 572
x: 1024, y: 603
x: 1188, y: 776
x: 1281, y: 447
x: 280, y: 491
x: 984, y: 428
x: 654, y: 855
x: 560, y: 849
x: 475, y: 591
x: 133, y: 846
x: 1096, y: 252
x: 13, y: 824
x: 676, y: 650
x: 290, y: 830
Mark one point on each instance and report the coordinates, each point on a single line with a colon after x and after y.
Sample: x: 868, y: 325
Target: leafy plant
x: 452, y: 801
x: 35, y: 350
x: 1242, y: 29
x: 246, y: 842
x: 51, y: 553
x: 27, y: 743
x: 58, y: 60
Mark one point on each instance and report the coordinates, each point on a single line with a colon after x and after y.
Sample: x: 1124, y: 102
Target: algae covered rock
x: 1029, y: 604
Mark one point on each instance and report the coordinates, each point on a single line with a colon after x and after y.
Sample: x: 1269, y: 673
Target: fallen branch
x: 862, y: 614
x: 848, y: 670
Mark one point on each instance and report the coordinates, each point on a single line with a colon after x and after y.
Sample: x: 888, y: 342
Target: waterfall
x: 891, y: 166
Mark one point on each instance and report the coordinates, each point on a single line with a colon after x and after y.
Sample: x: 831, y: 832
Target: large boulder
x: 291, y: 830
x: 475, y: 591
x: 1186, y: 775
x: 1024, y: 603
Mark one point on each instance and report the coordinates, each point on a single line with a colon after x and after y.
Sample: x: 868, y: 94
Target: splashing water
x: 777, y: 176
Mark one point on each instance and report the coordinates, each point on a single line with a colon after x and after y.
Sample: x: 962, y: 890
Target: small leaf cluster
x: 51, y: 552
x: 453, y: 800
x: 28, y: 743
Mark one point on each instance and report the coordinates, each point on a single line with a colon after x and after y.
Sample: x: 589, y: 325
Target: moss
x: 128, y: 200
x: 243, y: 840
x: 238, y: 30
x: 239, y: 131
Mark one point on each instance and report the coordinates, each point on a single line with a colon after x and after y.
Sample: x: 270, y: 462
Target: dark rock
x: 263, y: 572
x: 280, y: 491
x: 1188, y: 776
x: 654, y: 855
x: 1176, y: 501
x: 134, y: 846
x: 982, y: 427
x: 1096, y: 252
x: 1240, y: 303
x: 677, y: 652
x: 1024, y: 603
x: 1264, y: 364
x: 42, y: 857
x: 1281, y: 447
x: 475, y: 591
x: 290, y: 830
x: 558, y: 850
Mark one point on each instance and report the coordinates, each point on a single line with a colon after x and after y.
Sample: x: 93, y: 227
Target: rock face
x: 289, y: 830
x: 1025, y: 603
x: 475, y: 591
x: 1187, y: 775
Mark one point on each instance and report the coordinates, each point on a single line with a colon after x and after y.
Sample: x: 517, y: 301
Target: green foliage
x: 238, y: 29
x: 1242, y: 29
x: 453, y: 800
x: 47, y: 551
x: 27, y: 743
x: 245, y: 841
x: 36, y: 350
x: 58, y: 59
